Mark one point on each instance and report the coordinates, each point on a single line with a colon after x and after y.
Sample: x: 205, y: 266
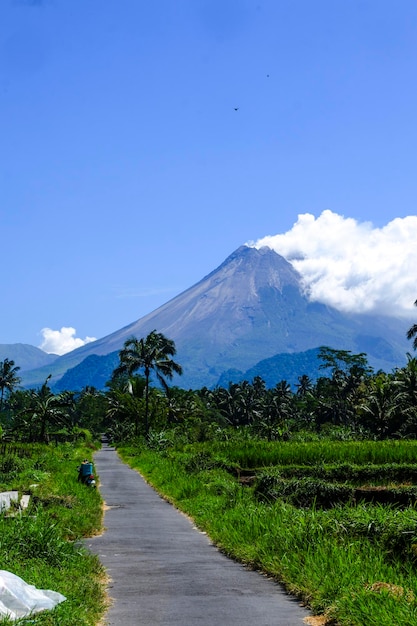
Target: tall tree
x: 45, y: 410
x: 378, y: 409
x: 412, y: 332
x: 304, y: 385
x: 405, y: 385
x: 8, y: 378
x: 348, y: 372
x: 153, y: 353
x: 125, y: 398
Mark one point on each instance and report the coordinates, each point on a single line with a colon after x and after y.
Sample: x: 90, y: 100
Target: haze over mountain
x: 250, y: 308
x: 24, y: 355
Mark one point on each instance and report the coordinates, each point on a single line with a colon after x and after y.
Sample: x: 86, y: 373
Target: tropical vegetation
x: 312, y: 482
x: 304, y: 518
x: 42, y: 543
x: 8, y: 378
x: 155, y: 352
x: 412, y: 332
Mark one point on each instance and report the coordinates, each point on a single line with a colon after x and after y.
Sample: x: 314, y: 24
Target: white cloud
x: 62, y: 341
x: 353, y: 266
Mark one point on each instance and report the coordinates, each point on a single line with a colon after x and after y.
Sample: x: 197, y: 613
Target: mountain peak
x: 260, y: 266
x: 250, y: 308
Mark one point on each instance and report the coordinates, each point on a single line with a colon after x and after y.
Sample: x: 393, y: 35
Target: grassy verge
x: 43, y: 544
x: 354, y: 564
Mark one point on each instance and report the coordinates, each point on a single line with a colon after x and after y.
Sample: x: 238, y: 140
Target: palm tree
x: 412, y: 332
x: 304, y: 386
x: 125, y: 397
x: 229, y: 403
x: 152, y: 353
x: 46, y: 409
x: 8, y: 378
x: 379, y: 407
x: 405, y: 384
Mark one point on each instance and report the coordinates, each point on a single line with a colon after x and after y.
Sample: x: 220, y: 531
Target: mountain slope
x: 25, y: 356
x: 280, y: 367
x: 290, y: 366
x: 93, y: 371
x: 250, y: 308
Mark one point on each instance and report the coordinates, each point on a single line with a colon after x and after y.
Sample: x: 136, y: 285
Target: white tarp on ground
x: 6, y: 499
x: 18, y: 599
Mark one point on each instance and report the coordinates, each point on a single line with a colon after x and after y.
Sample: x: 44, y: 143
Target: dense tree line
x: 349, y: 399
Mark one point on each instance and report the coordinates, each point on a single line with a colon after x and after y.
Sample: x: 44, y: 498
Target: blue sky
x: 126, y: 174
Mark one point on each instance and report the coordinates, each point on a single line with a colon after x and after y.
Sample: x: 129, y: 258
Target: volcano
x: 252, y: 307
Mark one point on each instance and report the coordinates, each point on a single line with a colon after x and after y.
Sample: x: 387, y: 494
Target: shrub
x: 304, y: 492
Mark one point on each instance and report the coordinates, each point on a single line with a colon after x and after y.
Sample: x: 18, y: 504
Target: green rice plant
x: 356, y: 564
x: 352, y: 473
x: 308, y: 490
x: 391, y: 529
x: 303, y: 492
x: 258, y: 454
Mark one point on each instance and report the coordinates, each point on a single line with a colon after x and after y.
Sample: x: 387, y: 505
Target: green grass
x: 43, y: 545
x: 355, y: 564
x: 257, y: 453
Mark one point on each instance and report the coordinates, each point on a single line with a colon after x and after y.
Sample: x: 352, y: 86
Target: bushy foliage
x: 41, y: 543
x: 302, y: 492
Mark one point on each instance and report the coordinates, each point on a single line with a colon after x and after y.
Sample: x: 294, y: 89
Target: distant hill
x: 94, y: 371
x: 279, y: 367
x: 25, y: 356
x: 251, y: 308
x: 289, y: 367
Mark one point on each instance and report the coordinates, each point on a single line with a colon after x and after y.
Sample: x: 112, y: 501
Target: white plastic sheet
x: 18, y: 599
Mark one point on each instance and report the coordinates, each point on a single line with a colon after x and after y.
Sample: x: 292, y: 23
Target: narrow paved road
x: 165, y: 572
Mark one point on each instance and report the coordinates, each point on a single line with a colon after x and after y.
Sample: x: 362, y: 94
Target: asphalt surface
x: 164, y: 571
